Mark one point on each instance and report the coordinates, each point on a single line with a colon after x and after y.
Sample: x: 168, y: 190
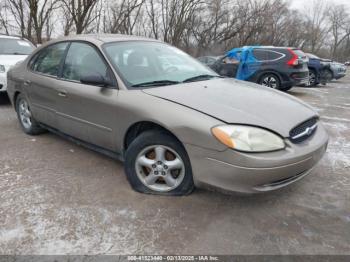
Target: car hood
x: 238, y: 102
x: 10, y: 60
x: 337, y: 64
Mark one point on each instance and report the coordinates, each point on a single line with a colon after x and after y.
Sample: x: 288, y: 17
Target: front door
x: 86, y: 112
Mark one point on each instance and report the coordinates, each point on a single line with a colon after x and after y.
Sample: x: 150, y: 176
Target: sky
x: 300, y: 4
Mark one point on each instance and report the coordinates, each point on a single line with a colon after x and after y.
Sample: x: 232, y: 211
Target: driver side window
x: 49, y: 59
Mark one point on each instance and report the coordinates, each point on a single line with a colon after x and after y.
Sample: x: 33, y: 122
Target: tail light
x: 294, y: 61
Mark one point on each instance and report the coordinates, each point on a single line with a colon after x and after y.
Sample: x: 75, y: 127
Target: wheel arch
x: 270, y: 71
x: 15, y: 96
x: 329, y: 69
x: 142, y: 126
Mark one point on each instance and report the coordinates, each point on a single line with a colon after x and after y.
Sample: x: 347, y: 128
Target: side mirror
x: 95, y: 79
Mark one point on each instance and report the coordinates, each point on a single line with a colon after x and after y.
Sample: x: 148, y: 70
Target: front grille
x: 303, y: 131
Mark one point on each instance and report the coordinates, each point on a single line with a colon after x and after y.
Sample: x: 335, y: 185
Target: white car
x: 13, y: 49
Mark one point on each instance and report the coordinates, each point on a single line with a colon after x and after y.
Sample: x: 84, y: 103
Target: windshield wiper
x: 200, y: 78
x: 156, y: 83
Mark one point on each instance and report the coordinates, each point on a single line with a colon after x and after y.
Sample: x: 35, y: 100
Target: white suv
x: 13, y: 49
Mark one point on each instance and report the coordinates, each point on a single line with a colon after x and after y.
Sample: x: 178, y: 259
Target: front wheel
x: 157, y: 163
x: 270, y: 80
x: 326, y: 76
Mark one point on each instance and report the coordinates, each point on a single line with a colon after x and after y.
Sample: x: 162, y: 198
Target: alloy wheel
x: 270, y: 81
x: 160, y: 168
x: 25, y: 114
x: 312, y: 78
x: 327, y: 76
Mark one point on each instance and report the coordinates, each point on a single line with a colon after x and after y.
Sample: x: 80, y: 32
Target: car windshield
x: 15, y: 47
x: 142, y: 63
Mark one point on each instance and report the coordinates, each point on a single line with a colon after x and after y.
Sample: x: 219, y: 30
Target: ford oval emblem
x: 309, y: 131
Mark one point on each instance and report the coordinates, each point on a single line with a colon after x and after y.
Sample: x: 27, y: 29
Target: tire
x: 285, y: 89
x: 326, y: 76
x: 313, y: 78
x: 29, y: 125
x: 270, y: 80
x: 167, y: 172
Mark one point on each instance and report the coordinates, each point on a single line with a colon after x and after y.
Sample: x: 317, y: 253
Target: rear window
x: 260, y: 55
x: 48, y: 60
x: 273, y: 55
x: 299, y: 53
x: 15, y: 47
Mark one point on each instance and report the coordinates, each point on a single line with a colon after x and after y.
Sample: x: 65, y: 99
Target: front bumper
x: 339, y: 75
x: 231, y: 170
x: 3, y: 82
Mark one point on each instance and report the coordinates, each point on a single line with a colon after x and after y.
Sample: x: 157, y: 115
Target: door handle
x: 62, y: 93
x: 27, y: 82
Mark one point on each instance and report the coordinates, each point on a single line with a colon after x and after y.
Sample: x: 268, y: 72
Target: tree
x: 176, y: 15
x: 316, y: 29
x: 340, y: 27
x: 4, y: 23
x: 81, y: 12
x: 197, y: 26
x: 19, y: 10
x: 124, y: 16
x: 208, y: 29
x: 40, y: 12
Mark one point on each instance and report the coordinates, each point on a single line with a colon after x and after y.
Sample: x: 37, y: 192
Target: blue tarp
x: 248, y: 64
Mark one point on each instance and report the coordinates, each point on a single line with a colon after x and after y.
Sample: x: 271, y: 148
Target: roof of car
x: 10, y: 36
x: 106, y: 38
x: 272, y: 47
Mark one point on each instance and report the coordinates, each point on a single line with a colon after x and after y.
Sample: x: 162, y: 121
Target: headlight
x: 2, y: 69
x: 248, y: 138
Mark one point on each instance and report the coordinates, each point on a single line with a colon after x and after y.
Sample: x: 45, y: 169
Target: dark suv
x: 276, y: 67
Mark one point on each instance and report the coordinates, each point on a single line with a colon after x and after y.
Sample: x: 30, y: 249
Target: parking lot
x: 59, y: 198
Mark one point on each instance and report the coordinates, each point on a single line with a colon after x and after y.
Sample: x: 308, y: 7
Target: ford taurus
x: 175, y: 123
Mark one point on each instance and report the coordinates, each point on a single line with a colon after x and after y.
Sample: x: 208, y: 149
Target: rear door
x: 274, y: 60
x: 86, y: 112
x: 42, y: 84
x: 271, y: 59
